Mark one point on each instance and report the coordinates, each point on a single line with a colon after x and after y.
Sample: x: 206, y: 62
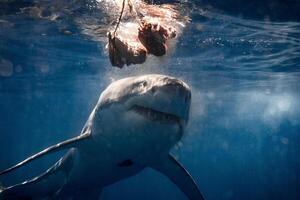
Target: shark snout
x: 173, y: 97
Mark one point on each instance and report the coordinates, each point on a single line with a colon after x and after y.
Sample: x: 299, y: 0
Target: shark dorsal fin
x: 54, y: 148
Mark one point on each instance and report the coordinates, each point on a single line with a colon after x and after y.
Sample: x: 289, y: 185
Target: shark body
x: 135, y: 123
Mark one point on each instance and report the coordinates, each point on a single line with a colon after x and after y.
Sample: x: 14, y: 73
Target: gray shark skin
x: 135, y: 123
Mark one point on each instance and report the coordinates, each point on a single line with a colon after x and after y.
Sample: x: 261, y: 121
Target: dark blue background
x: 243, y: 138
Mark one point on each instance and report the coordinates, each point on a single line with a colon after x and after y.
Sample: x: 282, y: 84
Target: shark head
x: 152, y: 110
x: 150, y: 94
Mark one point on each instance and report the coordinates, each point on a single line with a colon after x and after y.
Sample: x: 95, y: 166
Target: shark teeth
x: 155, y: 115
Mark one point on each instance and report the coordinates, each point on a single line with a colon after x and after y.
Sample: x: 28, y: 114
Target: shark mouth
x: 155, y: 115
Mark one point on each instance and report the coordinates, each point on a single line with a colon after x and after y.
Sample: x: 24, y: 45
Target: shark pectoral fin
x: 180, y: 176
x: 45, y: 185
x: 57, y: 147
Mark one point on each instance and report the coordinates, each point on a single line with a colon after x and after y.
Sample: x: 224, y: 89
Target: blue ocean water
x: 243, y: 137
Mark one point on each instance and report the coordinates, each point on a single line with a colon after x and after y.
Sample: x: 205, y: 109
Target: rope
x: 118, y: 24
x: 120, y: 17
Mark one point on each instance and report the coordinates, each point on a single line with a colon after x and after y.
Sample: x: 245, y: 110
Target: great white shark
x: 135, y: 123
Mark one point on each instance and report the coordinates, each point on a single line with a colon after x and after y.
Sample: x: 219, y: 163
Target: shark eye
x: 125, y: 163
x: 144, y: 83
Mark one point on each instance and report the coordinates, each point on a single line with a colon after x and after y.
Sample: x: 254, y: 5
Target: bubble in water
x: 43, y: 68
x: 285, y: 140
x: 18, y: 68
x: 6, y: 68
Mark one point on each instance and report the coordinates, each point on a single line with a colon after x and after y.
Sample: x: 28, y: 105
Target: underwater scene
x: 146, y: 99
